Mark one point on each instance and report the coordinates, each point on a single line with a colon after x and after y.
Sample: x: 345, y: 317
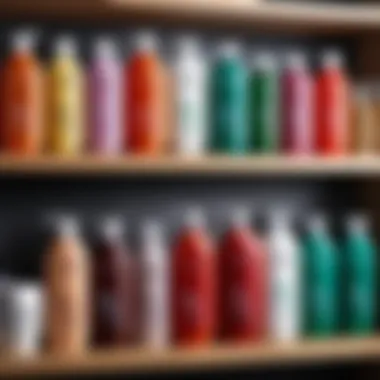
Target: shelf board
x: 175, y: 165
x: 218, y: 357
x: 260, y: 14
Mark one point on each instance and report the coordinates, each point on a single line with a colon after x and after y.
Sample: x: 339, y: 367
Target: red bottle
x: 332, y: 108
x: 193, y: 284
x: 116, y: 295
x: 243, y: 283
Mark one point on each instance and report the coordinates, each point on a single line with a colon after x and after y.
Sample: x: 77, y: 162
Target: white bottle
x: 155, y: 281
x: 191, y: 97
x: 285, y: 279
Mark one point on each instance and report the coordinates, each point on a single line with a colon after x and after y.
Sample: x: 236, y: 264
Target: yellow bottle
x: 66, y: 127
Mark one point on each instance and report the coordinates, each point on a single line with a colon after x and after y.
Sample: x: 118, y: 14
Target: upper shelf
x: 176, y: 165
x: 259, y: 14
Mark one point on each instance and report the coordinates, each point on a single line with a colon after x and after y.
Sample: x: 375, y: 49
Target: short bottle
x: 244, y: 282
x: 67, y: 289
x: 193, y: 286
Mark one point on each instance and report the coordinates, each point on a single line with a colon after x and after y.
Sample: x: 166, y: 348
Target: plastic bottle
x: 332, y: 113
x: 321, y: 280
x: 264, y: 117
x: 66, y: 275
x: 229, y: 103
x: 285, y: 279
x: 66, y: 103
x: 22, y: 97
x: 114, y: 286
x: 146, y: 96
x: 244, y: 282
x: 105, y: 99
x: 193, y: 286
x: 297, y: 106
x: 191, y: 97
x: 155, y: 268
x: 360, y: 276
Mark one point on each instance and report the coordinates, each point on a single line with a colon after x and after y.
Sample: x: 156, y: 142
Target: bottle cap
x: 229, y: 49
x: 151, y: 232
x: 145, y: 41
x: 281, y: 218
x: 317, y: 222
x: 188, y: 44
x: 23, y: 41
x: 112, y: 227
x: 105, y: 48
x: 264, y: 62
x: 357, y: 223
x: 241, y: 216
x: 66, y: 225
x: 65, y: 46
x: 194, y: 218
x: 296, y: 60
x: 332, y: 59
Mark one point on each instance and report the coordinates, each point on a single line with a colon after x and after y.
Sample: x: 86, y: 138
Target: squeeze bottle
x: 22, y: 108
x: 105, y: 99
x: 244, y: 282
x: 193, y: 283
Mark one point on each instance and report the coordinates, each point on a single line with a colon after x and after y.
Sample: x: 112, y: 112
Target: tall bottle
x: 297, y: 106
x: 264, y: 112
x: 243, y: 269
x: 105, y: 99
x: 66, y: 273
x: 332, y: 114
x: 360, y: 276
x: 155, y: 272
x: 66, y: 105
x: 229, y: 114
x: 146, y: 98
x: 193, y: 284
x: 321, y: 280
x: 191, y: 97
x: 22, y: 98
x: 114, y: 287
x: 285, y: 279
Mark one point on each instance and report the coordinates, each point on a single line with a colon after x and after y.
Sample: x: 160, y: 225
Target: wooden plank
x: 144, y: 360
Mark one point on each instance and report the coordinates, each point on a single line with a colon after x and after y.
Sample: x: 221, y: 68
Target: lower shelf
x: 216, y: 357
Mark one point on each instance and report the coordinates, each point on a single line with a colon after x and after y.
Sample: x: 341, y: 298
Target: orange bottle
x: 146, y: 120
x: 22, y: 98
x: 332, y: 108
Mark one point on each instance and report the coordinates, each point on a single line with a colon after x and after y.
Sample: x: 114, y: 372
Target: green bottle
x: 321, y: 280
x: 264, y: 106
x: 360, y: 277
x: 229, y: 102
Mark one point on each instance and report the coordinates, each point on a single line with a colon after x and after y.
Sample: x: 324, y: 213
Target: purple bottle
x: 297, y: 90
x: 105, y: 96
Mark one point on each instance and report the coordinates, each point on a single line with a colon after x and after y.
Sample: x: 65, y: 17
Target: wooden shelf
x: 143, y: 360
x: 265, y: 15
x: 211, y: 166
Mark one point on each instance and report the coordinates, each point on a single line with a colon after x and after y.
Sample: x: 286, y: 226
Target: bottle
x: 244, y: 282
x: 146, y: 96
x: 229, y: 92
x: 321, y: 280
x: 66, y: 275
x: 297, y: 106
x: 105, y: 99
x: 332, y: 92
x: 114, y: 271
x: 66, y: 105
x: 191, y: 97
x: 285, y: 279
x: 22, y: 108
x: 155, y: 268
x: 193, y: 283
x: 264, y: 117
x: 360, y: 272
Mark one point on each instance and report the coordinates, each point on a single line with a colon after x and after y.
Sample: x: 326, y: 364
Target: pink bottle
x: 105, y: 96
x: 297, y: 92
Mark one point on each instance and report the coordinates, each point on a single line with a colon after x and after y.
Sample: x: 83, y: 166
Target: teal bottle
x: 264, y: 106
x: 229, y: 129
x: 321, y: 281
x: 360, y: 277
